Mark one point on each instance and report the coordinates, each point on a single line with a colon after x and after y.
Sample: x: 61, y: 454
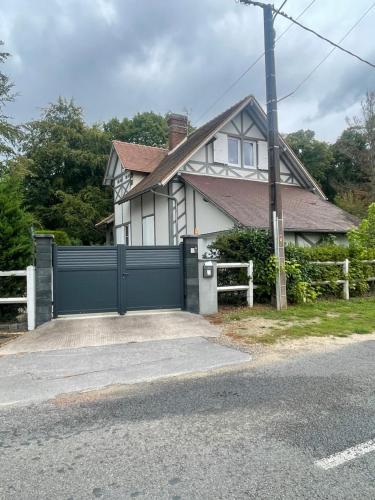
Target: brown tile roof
x: 247, y: 202
x: 138, y: 157
x: 177, y: 156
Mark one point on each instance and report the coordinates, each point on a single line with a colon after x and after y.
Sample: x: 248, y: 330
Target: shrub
x: 242, y: 245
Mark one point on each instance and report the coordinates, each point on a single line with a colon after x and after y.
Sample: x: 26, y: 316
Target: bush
x: 242, y: 245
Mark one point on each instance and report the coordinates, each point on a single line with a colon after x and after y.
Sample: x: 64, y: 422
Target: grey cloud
x: 117, y: 57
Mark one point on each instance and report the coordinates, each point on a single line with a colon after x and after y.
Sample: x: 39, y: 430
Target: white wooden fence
x: 29, y: 300
x: 344, y: 282
x: 250, y: 287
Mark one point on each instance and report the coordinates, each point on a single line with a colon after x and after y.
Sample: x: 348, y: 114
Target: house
x: 212, y: 180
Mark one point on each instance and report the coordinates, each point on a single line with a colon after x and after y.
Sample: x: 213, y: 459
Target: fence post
x: 346, y: 277
x: 250, y: 291
x: 30, y: 287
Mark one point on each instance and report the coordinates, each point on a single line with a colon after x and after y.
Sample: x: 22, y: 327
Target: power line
x: 281, y: 6
x: 259, y: 58
x: 328, y: 55
x: 258, y: 4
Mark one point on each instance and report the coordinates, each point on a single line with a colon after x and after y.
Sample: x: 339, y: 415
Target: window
x: 233, y: 149
x: 127, y: 234
x: 248, y: 154
x: 148, y: 233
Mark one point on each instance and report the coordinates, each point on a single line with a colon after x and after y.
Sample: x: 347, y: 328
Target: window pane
x: 248, y: 154
x: 127, y: 234
x: 233, y: 150
x: 148, y: 230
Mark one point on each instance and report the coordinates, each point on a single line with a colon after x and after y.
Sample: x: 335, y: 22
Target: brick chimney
x: 177, y: 129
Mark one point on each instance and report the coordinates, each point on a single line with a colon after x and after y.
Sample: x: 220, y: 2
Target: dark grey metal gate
x: 117, y: 278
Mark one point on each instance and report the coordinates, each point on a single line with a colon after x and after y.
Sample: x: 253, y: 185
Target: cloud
x: 118, y: 57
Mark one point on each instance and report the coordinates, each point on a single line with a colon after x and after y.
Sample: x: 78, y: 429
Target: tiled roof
x: 177, y: 156
x: 138, y: 157
x: 247, y: 202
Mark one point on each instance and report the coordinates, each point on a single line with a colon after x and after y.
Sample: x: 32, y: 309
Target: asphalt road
x: 254, y: 433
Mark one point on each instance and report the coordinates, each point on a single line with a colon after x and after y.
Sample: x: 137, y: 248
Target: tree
x: 63, y: 158
x: 9, y: 133
x: 144, y: 128
x: 15, y: 240
x: 315, y: 155
x: 364, y: 236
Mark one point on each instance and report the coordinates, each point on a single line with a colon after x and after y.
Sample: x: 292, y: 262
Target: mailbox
x: 208, y: 269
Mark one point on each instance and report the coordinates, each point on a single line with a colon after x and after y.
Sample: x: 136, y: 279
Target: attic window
x: 233, y: 150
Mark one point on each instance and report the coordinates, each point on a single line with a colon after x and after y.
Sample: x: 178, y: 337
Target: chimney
x: 177, y: 129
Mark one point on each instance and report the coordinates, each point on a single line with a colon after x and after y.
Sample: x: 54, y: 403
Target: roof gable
x: 135, y: 157
x: 176, y: 158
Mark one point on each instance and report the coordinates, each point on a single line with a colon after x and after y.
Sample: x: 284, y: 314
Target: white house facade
x: 211, y: 181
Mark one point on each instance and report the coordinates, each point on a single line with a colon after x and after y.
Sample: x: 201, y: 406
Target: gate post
x: 43, y: 278
x: 190, y: 256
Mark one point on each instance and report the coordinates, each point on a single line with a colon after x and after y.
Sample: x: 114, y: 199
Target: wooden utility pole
x: 275, y: 200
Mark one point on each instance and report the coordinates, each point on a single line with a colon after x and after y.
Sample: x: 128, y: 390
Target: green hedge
x: 242, y: 245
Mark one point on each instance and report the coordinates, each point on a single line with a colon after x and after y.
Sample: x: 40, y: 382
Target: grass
x: 337, y: 318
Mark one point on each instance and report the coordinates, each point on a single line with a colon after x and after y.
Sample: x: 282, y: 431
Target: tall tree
x: 15, y: 240
x: 315, y: 155
x: 64, y: 158
x: 9, y: 133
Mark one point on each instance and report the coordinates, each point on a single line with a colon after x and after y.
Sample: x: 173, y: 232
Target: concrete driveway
x: 102, y: 330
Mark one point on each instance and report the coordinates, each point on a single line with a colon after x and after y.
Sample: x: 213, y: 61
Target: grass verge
x: 324, y: 318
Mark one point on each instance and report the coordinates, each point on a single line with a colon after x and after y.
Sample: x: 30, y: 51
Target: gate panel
x: 85, y: 280
x: 153, y: 278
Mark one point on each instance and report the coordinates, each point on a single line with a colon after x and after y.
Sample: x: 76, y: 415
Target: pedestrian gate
x: 90, y: 279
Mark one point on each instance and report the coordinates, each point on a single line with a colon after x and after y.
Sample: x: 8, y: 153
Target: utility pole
x: 275, y: 200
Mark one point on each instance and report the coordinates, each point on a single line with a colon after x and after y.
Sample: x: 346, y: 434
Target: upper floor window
x: 248, y: 154
x: 233, y: 150
x: 247, y: 158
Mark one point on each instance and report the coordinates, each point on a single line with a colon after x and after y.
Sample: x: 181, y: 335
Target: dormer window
x: 247, y: 158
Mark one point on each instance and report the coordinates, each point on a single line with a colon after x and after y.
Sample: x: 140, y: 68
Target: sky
x: 120, y: 57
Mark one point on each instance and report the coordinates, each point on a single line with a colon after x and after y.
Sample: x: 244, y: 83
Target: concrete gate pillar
x: 200, y: 291
x: 43, y: 278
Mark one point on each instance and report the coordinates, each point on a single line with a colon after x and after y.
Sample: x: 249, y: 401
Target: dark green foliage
x: 60, y: 237
x: 144, y: 128
x: 242, y: 245
x: 65, y: 169
x: 315, y: 155
x: 15, y: 242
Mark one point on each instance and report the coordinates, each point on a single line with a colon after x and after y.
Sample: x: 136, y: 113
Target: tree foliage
x: 15, y: 241
x: 144, y: 128
x: 9, y: 133
x: 314, y: 154
x: 66, y: 160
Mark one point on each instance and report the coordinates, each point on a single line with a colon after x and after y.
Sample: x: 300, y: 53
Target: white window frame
x: 238, y: 140
x: 254, y: 145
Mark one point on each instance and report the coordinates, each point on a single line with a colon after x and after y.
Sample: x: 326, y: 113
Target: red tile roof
x: 138, y: 157
x: 247, y: 202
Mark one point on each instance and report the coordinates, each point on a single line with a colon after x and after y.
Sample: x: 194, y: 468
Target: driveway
x: 102, y: 330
